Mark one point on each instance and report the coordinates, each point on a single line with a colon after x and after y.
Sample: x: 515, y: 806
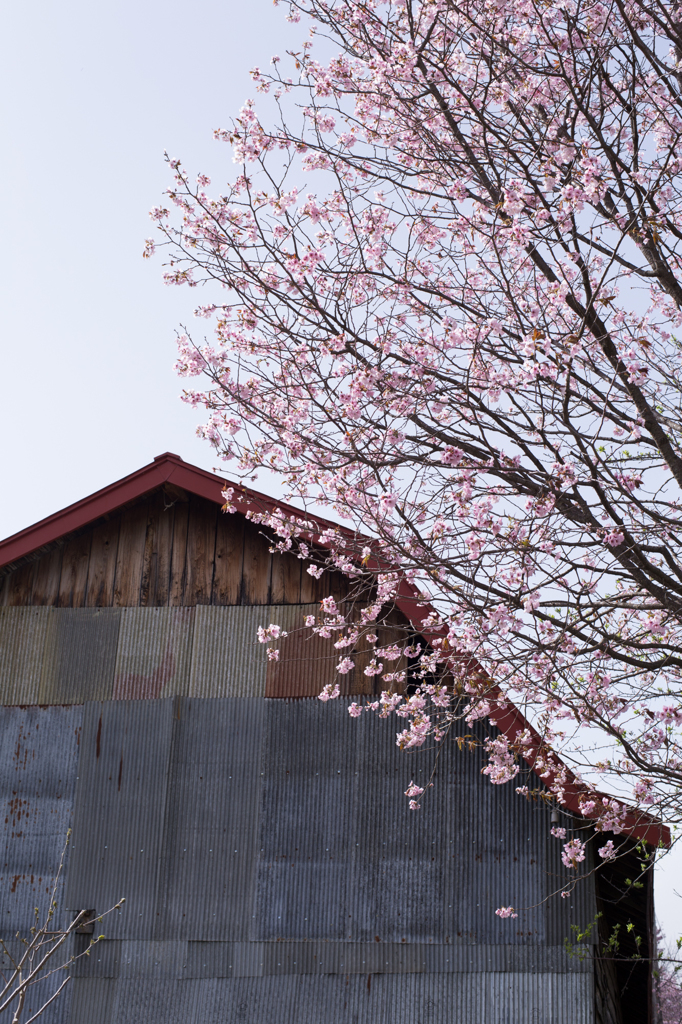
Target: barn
x: 271, y: 871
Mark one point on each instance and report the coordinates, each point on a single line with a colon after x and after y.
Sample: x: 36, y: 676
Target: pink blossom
x: 451, y: 456
x: 573, y: 853
x: 329, y: 692
x: 506, y: 912
x: 271, y: 632
x: 414, y: 790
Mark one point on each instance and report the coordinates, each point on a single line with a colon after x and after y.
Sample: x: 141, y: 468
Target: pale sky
x: 92, y: 95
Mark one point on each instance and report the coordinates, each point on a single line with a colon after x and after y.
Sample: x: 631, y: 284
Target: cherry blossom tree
x: 445, y: 284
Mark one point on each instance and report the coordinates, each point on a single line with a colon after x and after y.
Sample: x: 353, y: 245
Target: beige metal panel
x: 23, y: 634
x: 154, y: 653
x: 79, y: 655
x: 227, y: 660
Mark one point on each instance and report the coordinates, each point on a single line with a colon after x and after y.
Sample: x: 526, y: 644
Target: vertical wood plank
x: 333, y: 584
x: 20, y: 584
x: 229, y: 559
x: 201, y: 542
x: 286, y: 579
x: 102, y: 568
x: 74, y: 575
x: 178, y: 571
x: 47, y: 576
x: 130, y: 556
x: 150, y: 559
x: 257, y: 566
x: 312, y: 590
x: 161, y: 551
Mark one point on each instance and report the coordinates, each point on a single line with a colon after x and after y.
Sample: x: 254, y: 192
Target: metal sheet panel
x: 214, y: 959
x: 154, y: 653
x: 577, y: 910
x: 211, y: 827
x: 58, y: 1012
x: 92, y: 1000
x: 307, y: 662
x: 23, y: 633
x: 38, y: 757
x: 119, y: 812
x: 80, y: 653
x: 143, y: 1001
x: 343, y: 857
x: 329, y: 999
x: 227, y: 660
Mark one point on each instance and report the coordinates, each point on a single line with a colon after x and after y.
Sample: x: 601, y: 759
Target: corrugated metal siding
x: 307, y: 662
x: 154, y: 653
x: 211, y: 827
x: 58, y: 1012
x: 57, y: 655
x: 23, y: 633
x: 174, y: 960
x: 80, y: 653
x: 119, y: 812
x: 341, y: 852
x: 38, y: 756
x: 272, y: 870
x: 371, y: 999
x: 578, y: 909
x: 227, y: 660
x: 72, y: 655
x: 340, y: 856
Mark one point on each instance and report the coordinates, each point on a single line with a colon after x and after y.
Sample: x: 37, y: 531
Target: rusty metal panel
x: 307, y: 662
x: 227, y: 660
x: 211, y: 827
x: 154, y: 653
x: 119, y: 812
x: 80, y: 653
x: 38, y: 757
x: 23, y: 634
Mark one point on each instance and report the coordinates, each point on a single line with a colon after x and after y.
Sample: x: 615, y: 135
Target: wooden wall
x: 169, y: 548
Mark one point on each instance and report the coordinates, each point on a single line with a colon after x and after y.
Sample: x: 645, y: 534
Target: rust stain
x: 14, y: 883
x: 149, y: 687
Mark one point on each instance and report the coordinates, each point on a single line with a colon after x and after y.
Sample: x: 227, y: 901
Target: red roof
x: 171, y: 469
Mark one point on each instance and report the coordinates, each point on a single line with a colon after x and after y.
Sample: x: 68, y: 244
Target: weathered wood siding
x: 168, y: 549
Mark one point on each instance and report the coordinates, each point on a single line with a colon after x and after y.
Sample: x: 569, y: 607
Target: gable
x: 169, y: 548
